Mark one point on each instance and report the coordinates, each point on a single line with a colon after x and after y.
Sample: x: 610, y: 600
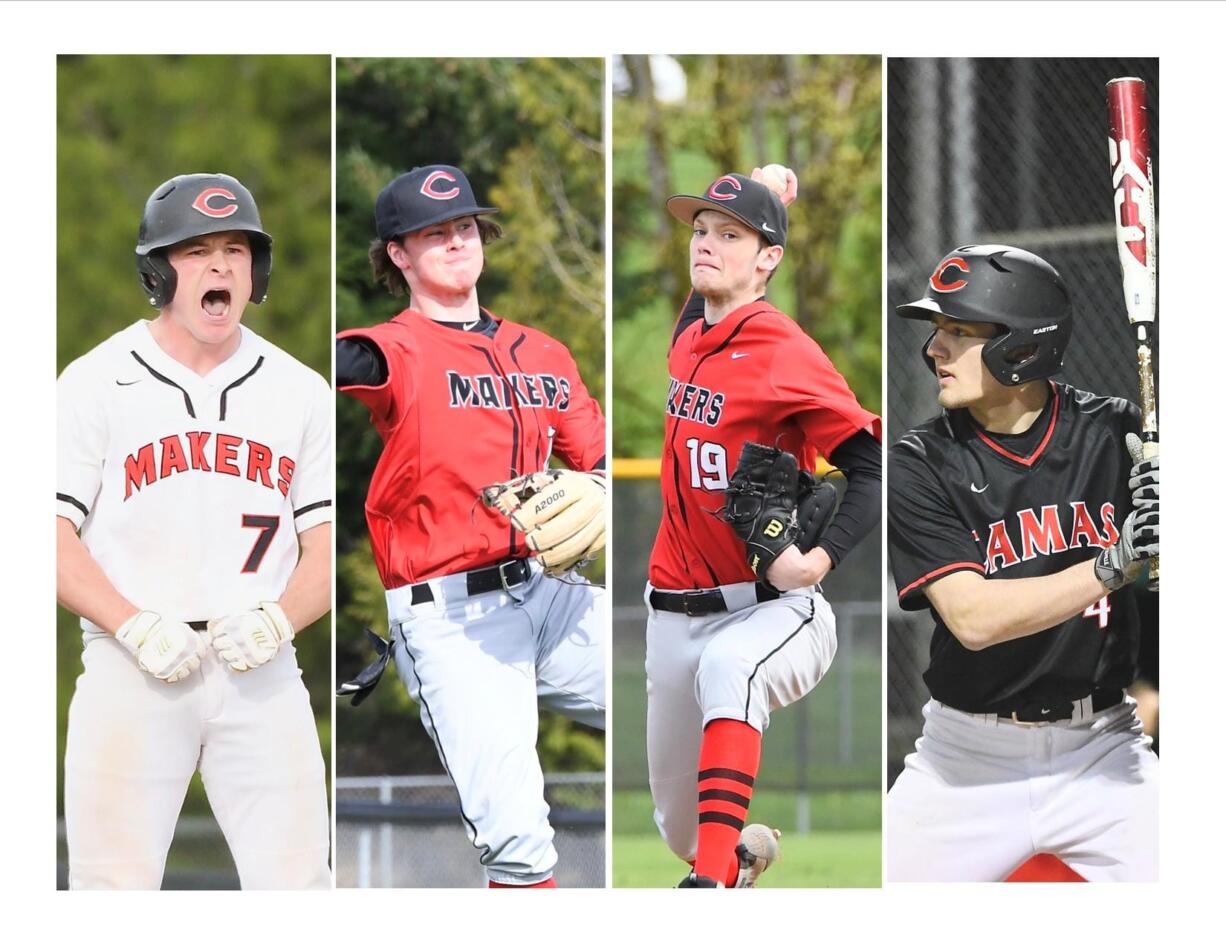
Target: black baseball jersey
x: 1012, y: 507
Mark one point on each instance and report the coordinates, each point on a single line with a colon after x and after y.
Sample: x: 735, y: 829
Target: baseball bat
x: 1136, y: 239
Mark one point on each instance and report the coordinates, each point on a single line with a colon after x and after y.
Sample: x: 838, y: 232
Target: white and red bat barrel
x: 1132, y: 180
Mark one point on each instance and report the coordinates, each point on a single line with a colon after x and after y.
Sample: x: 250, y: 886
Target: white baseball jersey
x: 190, y: 491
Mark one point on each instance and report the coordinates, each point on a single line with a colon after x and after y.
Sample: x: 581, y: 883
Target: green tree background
x: 528, y: 133
x: 820, y: 116
x: 127, y: 123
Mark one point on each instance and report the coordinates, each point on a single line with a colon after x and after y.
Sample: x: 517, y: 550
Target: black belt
x: 702, y: 602
x: 505, y: 575
x: 1040, y: 713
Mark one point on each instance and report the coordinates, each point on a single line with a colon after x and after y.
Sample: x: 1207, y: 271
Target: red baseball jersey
x: 458, y: 412
x: 754, y: 376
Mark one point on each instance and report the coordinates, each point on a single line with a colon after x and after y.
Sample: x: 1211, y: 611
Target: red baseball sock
x: 727, y: 766
x: 547, y: 883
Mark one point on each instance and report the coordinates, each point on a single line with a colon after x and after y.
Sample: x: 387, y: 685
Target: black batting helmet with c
x: 192, y: 205
x: 1010, y: 288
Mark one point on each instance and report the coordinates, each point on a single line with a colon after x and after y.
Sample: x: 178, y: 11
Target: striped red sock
x: 547, y: 883
x: 727, y: 766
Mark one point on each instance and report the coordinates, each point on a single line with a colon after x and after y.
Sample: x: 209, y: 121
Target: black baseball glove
x: 760, y: 504
x: 816, y: 504
x: 368, y: 678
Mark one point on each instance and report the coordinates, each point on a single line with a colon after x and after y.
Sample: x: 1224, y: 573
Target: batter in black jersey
x: 1015, y: 506
x: 1017, y: 517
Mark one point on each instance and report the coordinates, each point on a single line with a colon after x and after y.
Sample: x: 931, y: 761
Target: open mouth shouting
x: 216, y: 304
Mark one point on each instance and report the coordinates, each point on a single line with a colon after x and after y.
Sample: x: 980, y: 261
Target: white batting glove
x: 249, y: 639
x: 169, y: 650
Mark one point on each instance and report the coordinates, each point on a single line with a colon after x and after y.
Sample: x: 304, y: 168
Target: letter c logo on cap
x: 716, y: 193
x: 427, y: 186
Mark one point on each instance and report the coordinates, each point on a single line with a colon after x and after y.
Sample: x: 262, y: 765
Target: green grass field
x: 817, y: 860
x: 842, y: 850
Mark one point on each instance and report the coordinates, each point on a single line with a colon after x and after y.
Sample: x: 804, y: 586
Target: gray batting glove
x: 169, y: 650
x: 1122, y: 563
x: 1143, y: 478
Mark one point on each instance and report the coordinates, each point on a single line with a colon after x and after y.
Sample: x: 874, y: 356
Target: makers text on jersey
x: 227, y: 454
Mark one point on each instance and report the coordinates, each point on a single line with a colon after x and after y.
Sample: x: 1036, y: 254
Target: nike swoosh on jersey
x: 124, y: 384
x: 975, y: 489
x: 736, y: 355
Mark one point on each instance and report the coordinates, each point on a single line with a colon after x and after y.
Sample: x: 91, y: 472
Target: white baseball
x: 775, y: 176
x: 762, y: 841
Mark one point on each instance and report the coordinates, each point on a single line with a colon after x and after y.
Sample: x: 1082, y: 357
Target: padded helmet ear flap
x: 1027, y: 354
x: 261, y: 267
x: 928, y: 359
x: 158, y: 278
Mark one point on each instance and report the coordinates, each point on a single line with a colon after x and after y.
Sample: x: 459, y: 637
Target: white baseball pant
x: 478, y: 666
x: 741, y: 664
x: 981, y: 795
x: 134, y: 743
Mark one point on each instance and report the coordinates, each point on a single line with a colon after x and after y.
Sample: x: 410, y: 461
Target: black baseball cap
x: 754, y: 204
x: 423, y: 197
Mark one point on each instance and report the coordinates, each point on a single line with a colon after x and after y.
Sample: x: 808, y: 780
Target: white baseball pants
x: 979, y: 796
x: 479, y: 666
x: 737, y: 665
x: 134, y: 743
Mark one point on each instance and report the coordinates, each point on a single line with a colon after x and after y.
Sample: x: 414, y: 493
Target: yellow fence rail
x: 648, y: 468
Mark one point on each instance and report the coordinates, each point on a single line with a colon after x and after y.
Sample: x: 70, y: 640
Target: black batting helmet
x: 192, y: 205
x: 1010, y: 288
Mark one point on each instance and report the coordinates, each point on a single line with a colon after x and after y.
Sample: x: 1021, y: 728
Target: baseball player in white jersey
x: 194, y: 502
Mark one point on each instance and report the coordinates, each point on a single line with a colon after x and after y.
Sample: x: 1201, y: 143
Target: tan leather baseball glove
x: 560, y: 512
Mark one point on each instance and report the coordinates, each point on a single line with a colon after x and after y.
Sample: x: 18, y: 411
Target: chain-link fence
x: 405, y: 832
x: 1009, y: 151
x: 831, y: 740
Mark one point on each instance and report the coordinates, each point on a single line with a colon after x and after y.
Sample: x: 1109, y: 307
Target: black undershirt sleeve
x: 694, y: 309
x: 859, y: 457
x: 359, y: 363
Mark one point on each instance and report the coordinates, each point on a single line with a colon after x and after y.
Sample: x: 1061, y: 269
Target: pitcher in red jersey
x: 723, y: 649
x: 463, y: 399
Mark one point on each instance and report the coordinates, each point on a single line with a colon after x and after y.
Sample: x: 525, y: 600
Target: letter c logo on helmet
x: 717, y: 194
x: 206, y: 202
x: 937, y: 279
x: 427, y: 186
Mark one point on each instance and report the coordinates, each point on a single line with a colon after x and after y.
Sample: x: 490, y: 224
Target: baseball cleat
x: 757, y: 851
x: 699, y: 881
